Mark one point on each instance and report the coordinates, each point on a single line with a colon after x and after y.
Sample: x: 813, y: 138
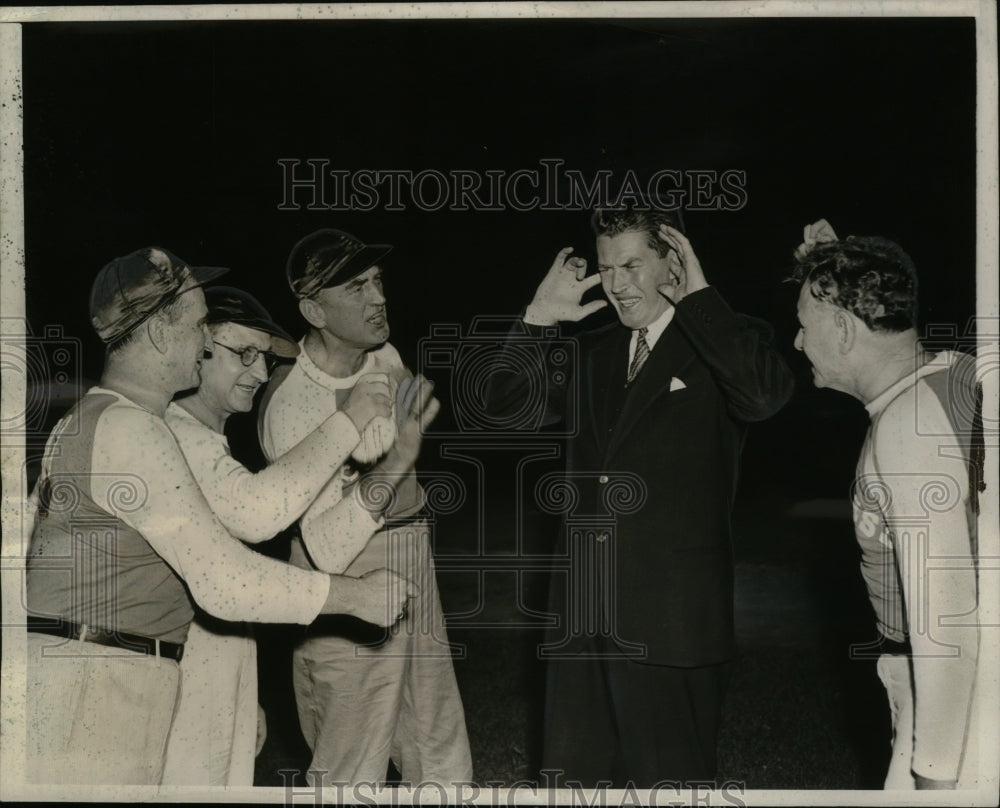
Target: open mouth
x: 628, y: 302
x: 378, y: 319
x: 248, y: 388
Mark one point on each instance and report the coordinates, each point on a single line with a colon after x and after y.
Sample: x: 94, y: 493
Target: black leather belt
x: 116, y: 639
x: 394, y: 523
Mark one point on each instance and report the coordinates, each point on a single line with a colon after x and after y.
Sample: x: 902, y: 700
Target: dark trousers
x: 619, y: 721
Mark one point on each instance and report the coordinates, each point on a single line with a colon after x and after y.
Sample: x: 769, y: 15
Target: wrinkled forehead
x: 331, y: 293
x: 628, y: 242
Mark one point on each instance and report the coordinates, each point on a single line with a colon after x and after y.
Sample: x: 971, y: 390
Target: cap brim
x: 362, y: 260
x: 205, y: 275
x: 281, y: 343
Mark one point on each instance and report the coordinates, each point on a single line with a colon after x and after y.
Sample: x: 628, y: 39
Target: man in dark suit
x: 641, y: 655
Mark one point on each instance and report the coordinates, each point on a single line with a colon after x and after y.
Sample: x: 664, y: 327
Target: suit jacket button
x: 603, y: 479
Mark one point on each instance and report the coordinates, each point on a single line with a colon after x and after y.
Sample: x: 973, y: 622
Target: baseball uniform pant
x: 896, y: 674
x: 214, y: 734
x: 96, y: 715
x: 362, y: 705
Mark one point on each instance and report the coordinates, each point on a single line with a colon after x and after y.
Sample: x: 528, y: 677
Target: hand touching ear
x: 686, y: 275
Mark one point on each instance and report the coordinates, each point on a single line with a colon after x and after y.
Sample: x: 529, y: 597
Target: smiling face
x: 354, y: 312
x: 630, y: 272
x: 227, y: 386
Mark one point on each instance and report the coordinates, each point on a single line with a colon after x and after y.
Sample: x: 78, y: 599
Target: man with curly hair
x: 915, y: 496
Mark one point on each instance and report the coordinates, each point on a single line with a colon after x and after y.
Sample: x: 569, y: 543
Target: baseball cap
x: 229, y: 305
x: 129, y: 289
x: 329, y: 257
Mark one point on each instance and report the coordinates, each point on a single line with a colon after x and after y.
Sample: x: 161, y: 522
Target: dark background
x: 170, y: 133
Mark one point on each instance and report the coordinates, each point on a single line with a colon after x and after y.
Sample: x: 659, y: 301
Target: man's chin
x: 629, y: 318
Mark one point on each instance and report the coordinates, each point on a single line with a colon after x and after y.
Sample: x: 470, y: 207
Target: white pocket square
x: 677, y: 384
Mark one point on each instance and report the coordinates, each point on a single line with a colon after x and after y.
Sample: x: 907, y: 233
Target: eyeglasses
x: 249, y: 355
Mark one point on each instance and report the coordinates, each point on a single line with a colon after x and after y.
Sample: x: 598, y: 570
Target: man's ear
x: 847, y: 330
x: 313, y: 312
x: 156, y: 327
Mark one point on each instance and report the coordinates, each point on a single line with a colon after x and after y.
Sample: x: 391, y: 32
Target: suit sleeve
x: 525, y: 371
x: 739, y: 350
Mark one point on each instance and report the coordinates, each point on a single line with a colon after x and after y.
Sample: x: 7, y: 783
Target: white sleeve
x: 281, y: 428
x: 334, y: 529
x: 256, y: 506
x: 161, y: 500
x: 335, y: 536
x: 928, y: 488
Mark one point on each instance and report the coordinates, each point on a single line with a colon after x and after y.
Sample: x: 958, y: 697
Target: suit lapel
x: 669, y: 358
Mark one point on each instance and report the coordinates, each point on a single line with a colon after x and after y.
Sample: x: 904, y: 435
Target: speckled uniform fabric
x: 359, y: 706
x: 912, y: 505
x: 121, y: 528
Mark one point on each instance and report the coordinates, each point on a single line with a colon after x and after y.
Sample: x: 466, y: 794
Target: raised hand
x: 813, y: 234
x: 686, y: 274
x: 557, y: 298
x: 369, y: 398
x: 422, y: 411
x: 378, y: 489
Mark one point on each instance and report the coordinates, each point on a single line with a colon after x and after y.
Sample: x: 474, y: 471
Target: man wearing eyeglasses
x: 363, y: 705
x: 215, y: 733
x: 123, y: 543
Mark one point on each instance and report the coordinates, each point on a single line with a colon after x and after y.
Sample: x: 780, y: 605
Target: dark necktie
x: 641, y: 355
